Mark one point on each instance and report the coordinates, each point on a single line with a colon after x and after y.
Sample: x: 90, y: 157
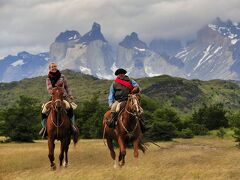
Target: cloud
x: 33, y: 25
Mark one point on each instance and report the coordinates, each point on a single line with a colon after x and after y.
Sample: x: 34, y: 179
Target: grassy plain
x: 198, y: 158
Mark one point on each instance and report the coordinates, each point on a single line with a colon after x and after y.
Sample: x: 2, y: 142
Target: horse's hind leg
x: 51, y: 147
x: 112, y: 152
x: 111, y: 148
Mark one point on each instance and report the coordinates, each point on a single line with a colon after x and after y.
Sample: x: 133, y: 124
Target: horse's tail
x: 142, y: 147
x: 75, y: 137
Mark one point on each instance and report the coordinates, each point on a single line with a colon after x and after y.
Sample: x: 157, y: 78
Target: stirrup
x: 74, y: 128
x: 43, y: 132
x: 111, y: 123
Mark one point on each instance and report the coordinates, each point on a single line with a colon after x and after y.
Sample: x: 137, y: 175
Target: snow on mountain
x: 18, y: 63
x: 214, y: 54
x: 23, y: 65
x: 91, y: 54
x: 68, y: 36
x: 140, y: 61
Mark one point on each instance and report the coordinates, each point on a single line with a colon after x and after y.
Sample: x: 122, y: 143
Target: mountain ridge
x: 215, y: 53
x: 179, y: 93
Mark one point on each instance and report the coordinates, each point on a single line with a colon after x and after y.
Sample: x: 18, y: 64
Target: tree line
x: 21, y: 122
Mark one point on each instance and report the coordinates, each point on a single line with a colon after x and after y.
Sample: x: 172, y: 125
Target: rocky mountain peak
x: 94, y: 34
x: 132, y: 41
x: 68, y: 36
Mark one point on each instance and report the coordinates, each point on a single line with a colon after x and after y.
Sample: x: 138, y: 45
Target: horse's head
x: 133, y: 104
x: 57, y: 97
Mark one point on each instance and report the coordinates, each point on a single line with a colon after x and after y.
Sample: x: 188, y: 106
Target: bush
x: 235, y: 122
x: 148, y: 104
x: 237, y: 136
x: 198, y: 129
x: 212, y: 117
x: 21, y: 120
x: 233, y: 119
x: 221, y: 133
x: 161, y: 131
x: 186, y: 133
x: 162, y: 124
x: 168, y: 114
x: 89, y: 118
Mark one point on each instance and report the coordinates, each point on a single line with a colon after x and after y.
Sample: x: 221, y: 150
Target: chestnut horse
x: 58, y: 127
x: 127, y: 129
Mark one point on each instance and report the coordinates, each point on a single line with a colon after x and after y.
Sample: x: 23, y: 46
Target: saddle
x: 119, y: 110
x: 121, y: 106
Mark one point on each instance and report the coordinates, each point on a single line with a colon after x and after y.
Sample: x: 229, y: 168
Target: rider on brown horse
x: 119, y: 91
x: 56, y: 79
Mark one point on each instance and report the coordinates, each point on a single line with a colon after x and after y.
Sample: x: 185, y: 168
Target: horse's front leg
x: 61, y: 155
x: 122, y: 152
x: 68, y: 140
x: 51, y: 147
x: 136, y: 143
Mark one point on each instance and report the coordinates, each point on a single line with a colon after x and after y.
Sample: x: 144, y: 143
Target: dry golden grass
x: 197, y: 158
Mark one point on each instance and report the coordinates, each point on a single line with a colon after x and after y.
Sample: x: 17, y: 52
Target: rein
x: 130, y: 133
x: 136, y: 115
x: 57, y: 125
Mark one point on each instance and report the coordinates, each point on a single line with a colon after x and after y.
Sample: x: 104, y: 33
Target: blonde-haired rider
x: 57, y: 79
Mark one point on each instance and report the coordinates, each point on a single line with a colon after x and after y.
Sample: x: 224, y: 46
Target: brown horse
x: 127, y: 129
x: 58, y: 127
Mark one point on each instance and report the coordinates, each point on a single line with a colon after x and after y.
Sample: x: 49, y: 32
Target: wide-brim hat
x: 120, y: 71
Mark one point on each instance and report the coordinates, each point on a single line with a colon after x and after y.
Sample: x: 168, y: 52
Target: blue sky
x: 32, y: 25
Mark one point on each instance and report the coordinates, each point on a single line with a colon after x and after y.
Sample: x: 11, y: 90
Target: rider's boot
x: 43, y: 131
x: 111, y: 122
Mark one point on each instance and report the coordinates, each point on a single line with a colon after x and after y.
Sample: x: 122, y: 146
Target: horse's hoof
x: 116, y: 166
x: 53, y: 167
x: 65, y: 164
x: 121, y: 164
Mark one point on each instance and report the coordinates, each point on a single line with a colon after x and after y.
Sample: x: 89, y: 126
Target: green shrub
x: 234, y: 121
x: 186, y: 133
x: 89, y: 118
x: 161, y: 130
x: 198, y: 129
x: 212, y: 117
x: 21, y: 120
x: 237, y: 136
x: 221, y: 133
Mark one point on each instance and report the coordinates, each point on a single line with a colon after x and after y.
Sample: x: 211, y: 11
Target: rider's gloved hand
x: 135, y: 90
x: 71, y: 97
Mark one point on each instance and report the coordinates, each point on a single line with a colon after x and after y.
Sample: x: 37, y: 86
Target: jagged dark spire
x: 94, y: 34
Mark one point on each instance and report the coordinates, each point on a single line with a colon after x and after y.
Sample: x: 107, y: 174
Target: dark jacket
x: 121, y: 92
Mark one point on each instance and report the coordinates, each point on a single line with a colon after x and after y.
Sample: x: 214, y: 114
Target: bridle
x: 134, y: 102
x: 59, y: 111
